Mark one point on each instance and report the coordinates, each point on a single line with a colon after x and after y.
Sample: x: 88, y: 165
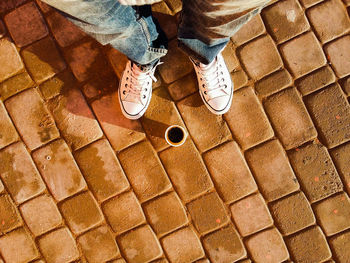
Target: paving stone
x: 18, y: 246
x: 57, y: 85
x: 251, y: 215
x: 8, y: 133
x: 183, y: 87
x: 176, y: 64
x: 334, y: 213
x: 315, y: 81
x: 75, y: 119
x: 345, y: 83
x: 267, y: 246
x: 290, y: 118
x: 292, y: 213
x: 105, y: 177
x: 144, y: 171
x: 140, y: 245
x: 26, y: 24
x: 43, y: 60
x: 19, y: 174
x: 340, y: 156
x: 271, y: 170
x: 9, y: 217
x: 9, y: 4
x: 85, y: 60
x: 190, y: 178
x: 45, y: 8
x: 339, y: 55
x: 120, y: 260
x: 160, y: 114
x: 229, y: 172
x: 203, y: 261
x: 224, y: 245
x: 9, y: 57
x: 41, y: 214
x: 260, y: 57
x: 315, y: 171
x: 208, y: 213
x: 162, y: 260
x: 1, y: 187
x: 120, y: 131
x: 321, y: 18
x: 255, y: 27
x: 100, y: 85
x: 168, y: 24
x: 198, y: 118
x: 175, y: 5
x: 58, y: 246
x: 309, y: 246
x: 285, y: 20
x: 308, y: 3
x: 298, y: 57
x: 59, y: 170
x: 331, y: 114
x: 123, y: 212
x: 183, y: 246
x: 273, y: 83
x: 165, y: 213
x: 341, y: 247
x: 229, y: 56
x: 64, y: 31
x: 15, y: 84
x: 239, y: 79
x: 2, y: 29
x: 247, y: 119
x: 118, y: 61
x: 98, y: 245
x: 81, y: 212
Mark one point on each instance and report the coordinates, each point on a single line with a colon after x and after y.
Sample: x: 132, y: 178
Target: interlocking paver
x: 190, y: 178
x: 292, y: 213
x: 19, y: 174
x: 254, y: 28
x: 123, y: 212
x: 316, y: 80
x: 1, y: 187
x: 331, y: 114
x: 247, y: 119
x: 315, y: 171
x: 59, y: 170
x: 309, y: 246
x: 59, y: 84
x: 9, y: 217
x: 341, y: 160
x: 105, y: 177
x: 140, y: 245
x: 160, y: 114
x: 41, y: 214
x: 18, y: 246
x: 229, y: 56
x: 239, y: 79
x: 120, y: 131
x: 345, y: 83
x: 15, y: 84
x: 183, y: 246
x: 2, y: 29
x: 290, y: 118
x: 339, y: 55
x: 285, y: 19
x: 7, y: 5
x: 74, y: 119
x: 320, y: 17
x: 298, y: 57
x: 58, y: 246
x: 208, y: 213
x: 81, y: 212
x: 308, y: 3
x: 144, y: 171
x: 267, y: 246
x: 9, y: 56
x: 44, y: 7
x: 102, y: 84
x: 333, y: 213
x: 229, y: 171
x: 183, y: 87
x: 273, y: 83
x: 165, y: 213
x: 98, y: 245
x: 251, y: 215
x: 26, y: 24
x: 341, y: 247
x: 198, y: 118
x: 8, y: 132
x: 224, y: 245
x: 272, y: 170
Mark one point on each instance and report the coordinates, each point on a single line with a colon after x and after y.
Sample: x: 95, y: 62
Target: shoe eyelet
x: 203, y: 86
x: 126, y: 85
x: 145, y: 89
x: 205, y: 92
x: 147, y: 83
x: 225, y: 86
x: 201, y: 79
x: 123, y: 92
x: 144, y: 96
x: 127, y: 78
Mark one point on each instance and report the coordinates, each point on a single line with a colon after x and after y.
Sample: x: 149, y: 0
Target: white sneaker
x: 135, y: 89
x: 215, y: 85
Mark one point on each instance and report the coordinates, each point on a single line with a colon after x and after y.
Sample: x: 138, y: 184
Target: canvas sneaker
x: 135, y: 89
x: 215, y: 85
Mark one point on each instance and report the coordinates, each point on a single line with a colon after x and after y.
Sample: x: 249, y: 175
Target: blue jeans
x: 135, y: 32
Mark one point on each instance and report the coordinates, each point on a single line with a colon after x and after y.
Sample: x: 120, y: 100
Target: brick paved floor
x: 267, y: 182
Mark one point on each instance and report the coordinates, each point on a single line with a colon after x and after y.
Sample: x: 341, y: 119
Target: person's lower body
x: 204, y: 30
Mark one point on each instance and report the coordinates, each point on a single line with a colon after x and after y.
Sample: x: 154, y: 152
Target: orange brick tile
x: 308, y: 3
x: 9, y: 56
x: 273, y: 83
x: 254, y: 28
x: 183, y: 87
x: 2, y: 29
x: 15, y: 84
x: 59, y: 84
x: 340, y: 156
x: 239, y: 79
x: 230, y: 57
x: 8, y: 131
x: 340, y: 245
x: 102, y: 84
x: 345, y: 83
x: 338, y: 53
x: 9, y: 217
x: 45, y: 8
